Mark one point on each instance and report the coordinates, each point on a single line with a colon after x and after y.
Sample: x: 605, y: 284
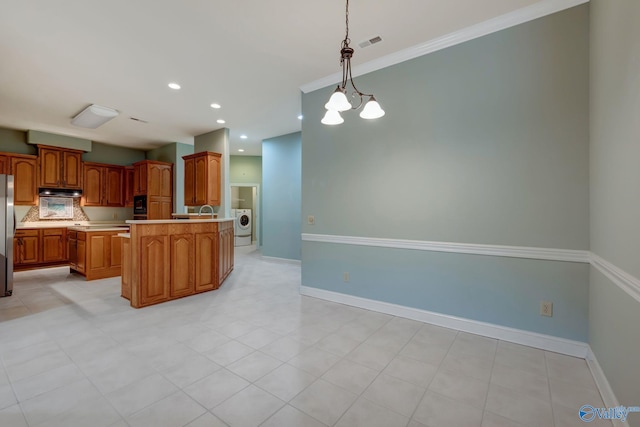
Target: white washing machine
x: 242, y: 227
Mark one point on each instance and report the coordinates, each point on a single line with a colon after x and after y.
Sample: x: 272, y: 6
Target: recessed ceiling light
x: 174, y: 86
x: 214, y: 105
x: 243, y: 136
x: 220, y: 121
x: 241, y: 150
x: 300, y: 117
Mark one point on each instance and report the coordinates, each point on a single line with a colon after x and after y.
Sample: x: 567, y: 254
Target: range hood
x: 59, y: 192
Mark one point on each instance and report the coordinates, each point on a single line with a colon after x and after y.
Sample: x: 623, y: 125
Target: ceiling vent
x: 374, y: 40
x: 93, y: 116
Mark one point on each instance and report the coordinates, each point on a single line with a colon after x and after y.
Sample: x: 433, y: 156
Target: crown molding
x: 511, y: 19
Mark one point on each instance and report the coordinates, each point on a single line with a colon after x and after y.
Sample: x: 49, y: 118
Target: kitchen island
x: 95, y: 251
x: 164, y: 260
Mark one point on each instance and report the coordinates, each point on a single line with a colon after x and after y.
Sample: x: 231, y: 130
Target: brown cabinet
x: 26, y: 249
x: 54, y: 245
x: 5, y: 164
x: 206, y: 271
x: 103, y: 185
x: 95, y: 254
x: 155, y: 269
x: 42, y: 247
x: 129, y: 184
x: 225, y: 252
x: 202, y: 179
x: 60, y: 168
x: 171, y: 260
x: 126, y: 268
x: 155, y: 180
x: 182, y: 277
x: 24, y: 169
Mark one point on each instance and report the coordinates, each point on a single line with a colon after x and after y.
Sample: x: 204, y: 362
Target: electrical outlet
x: 345, y: 276
x: 115, y: 215
x: 546, y: 308
x: 311, y: 220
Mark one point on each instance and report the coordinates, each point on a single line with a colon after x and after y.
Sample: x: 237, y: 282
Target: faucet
x: 205, y: 206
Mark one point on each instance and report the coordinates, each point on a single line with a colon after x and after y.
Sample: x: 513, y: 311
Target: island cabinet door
x: 126, y: 269
x: 81, y: 252
x: 182, y: 273
x: 206, y: 262
x: 155, y: 269
x: 225, y: 259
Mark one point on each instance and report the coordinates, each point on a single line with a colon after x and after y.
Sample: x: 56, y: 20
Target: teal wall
x: 245, y: 169
x: 614, y: 316
x: 113, y: 155
x: 485, y: 142
x: 55, y: 140
x: 281, y: 187
x: 15, y: 141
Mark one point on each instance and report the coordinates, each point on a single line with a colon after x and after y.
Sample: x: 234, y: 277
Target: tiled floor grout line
x: 376, y: 377
x: 486, y: 397
x: 457, y: 333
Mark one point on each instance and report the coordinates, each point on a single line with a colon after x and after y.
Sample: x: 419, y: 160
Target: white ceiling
x: 250, y: 56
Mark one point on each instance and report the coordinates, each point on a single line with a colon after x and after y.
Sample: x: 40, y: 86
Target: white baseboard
x: 283, y: 260
x: 608, y: 397
x: 518, y: 336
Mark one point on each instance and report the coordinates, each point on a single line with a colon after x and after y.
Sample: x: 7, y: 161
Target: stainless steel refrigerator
x: 7, y: 230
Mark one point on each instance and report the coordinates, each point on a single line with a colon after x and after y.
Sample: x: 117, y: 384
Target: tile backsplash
x: 33, y: 215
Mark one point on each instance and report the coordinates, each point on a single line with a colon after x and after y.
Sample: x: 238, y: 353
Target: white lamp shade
x: 94, y: 116
x: 338, y: 101
x: 332, y: 118
x: 372, y: 110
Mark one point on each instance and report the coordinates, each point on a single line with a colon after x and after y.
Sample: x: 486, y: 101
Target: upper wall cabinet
x: 25, y: 171
x: 129, y: 185
x: 60, y: 168
x: 153, y: 179
x: 202, y: 179
x: 103, y: 185
x: 5, y: 164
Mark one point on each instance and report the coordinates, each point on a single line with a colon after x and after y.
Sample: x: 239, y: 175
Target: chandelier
x: 339, y: 101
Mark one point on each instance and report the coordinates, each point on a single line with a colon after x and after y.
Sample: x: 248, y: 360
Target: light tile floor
x: 255, y: 352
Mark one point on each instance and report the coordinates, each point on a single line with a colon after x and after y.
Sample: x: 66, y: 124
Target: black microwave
x: 139, y: 205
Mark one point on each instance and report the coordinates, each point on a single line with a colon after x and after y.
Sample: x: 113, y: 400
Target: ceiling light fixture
x: 241, y: 150
x: 94, y: 116
x: 174, y: 86
x: 339, y: 101
x: 220, y: 121
x: 243, y: 136
x: 216, y: 106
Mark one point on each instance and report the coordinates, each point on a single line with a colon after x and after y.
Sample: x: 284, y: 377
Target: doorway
x: 247, y: 196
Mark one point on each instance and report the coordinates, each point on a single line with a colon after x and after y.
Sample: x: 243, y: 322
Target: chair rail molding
x: 550, y: 254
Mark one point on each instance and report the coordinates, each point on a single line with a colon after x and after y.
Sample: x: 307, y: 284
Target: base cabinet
x: 171, y: 260
x: 126, y: 268
x: 95, y: 254
x: 182, y: 249
x: 154, y: 269
x: 43, y: 247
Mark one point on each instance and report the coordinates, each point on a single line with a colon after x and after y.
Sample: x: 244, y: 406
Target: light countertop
x: 99, y: 228
x: 71, y: 224
x: 177, y: 221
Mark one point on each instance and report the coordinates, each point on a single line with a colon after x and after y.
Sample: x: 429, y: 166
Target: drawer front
x: 52, y: 231
x: 27, y: 233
